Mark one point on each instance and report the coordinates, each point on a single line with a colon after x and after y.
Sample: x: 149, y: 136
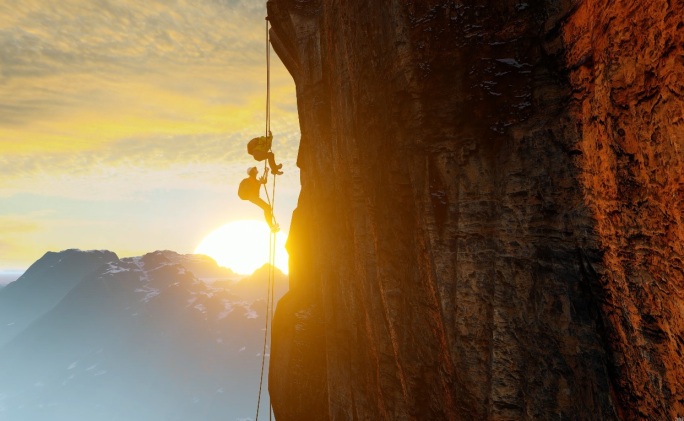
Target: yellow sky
x: 123, y: 124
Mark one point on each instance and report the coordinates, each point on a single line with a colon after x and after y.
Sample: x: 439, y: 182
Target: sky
x: 123, y: 124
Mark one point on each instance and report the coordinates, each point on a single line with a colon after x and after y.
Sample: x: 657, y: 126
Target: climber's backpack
x: 259, y: 144
x: 244, y: 190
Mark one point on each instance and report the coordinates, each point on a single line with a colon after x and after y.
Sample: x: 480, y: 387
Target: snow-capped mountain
x: 143, y: 338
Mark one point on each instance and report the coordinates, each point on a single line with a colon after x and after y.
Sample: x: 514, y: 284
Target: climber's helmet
x: 251, y: 170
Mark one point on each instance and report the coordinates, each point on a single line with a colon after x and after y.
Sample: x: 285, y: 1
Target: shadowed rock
x: 489, y: 225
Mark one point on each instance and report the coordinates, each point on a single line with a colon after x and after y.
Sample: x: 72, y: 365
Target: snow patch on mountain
x: 113, y: 268
x: 227, y: 309
x: 150, y: 293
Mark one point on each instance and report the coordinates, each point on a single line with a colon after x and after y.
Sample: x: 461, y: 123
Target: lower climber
x: 260, y: 149
x: 249, y: 190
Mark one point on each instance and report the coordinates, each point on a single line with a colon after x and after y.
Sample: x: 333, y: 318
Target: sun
x: 242, y: 246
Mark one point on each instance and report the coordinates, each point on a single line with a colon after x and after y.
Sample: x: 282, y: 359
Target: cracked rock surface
x: 490, y: 222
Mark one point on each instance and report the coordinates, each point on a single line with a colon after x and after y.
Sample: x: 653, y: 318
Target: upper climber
x: 260, y: 149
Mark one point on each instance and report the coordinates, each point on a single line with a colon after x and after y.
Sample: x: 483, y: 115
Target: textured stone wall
x: 490, y: 218
x: 626, y: 62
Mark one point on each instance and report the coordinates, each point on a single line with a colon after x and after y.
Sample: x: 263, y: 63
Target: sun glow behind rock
x: 243, y: 246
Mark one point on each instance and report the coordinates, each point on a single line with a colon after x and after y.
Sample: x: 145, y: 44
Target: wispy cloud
x: 41, y: 37
x: 13, y: 225
x: 15, y: 243
x: 83, y: 74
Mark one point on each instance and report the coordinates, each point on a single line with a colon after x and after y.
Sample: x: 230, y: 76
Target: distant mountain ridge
x: 86, y: 335
x: 55, y: 274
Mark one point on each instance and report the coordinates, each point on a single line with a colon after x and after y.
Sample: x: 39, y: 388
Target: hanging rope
x: 272, y: 236
x: 268, y: 80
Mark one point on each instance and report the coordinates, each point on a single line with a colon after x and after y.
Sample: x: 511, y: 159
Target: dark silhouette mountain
x: 139, y: 338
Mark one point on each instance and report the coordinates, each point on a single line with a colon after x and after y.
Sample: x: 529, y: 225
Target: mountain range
x: 85, y: 335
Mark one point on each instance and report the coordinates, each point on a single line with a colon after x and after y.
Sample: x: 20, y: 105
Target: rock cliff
x: 490, y: 220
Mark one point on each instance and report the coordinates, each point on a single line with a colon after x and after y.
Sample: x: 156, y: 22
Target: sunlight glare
x: 242, y: 246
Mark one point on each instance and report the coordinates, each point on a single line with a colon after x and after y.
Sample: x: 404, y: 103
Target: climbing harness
x: 272, y: 236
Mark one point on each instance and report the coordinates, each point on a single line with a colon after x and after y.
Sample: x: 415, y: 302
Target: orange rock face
x: 627, y: 75
x: 490, y: 218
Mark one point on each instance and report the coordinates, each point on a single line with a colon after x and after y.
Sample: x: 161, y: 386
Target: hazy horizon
x: 7, y: 276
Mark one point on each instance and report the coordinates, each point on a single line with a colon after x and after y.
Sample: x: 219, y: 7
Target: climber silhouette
x: 249, y: 190
x: 260, y: 149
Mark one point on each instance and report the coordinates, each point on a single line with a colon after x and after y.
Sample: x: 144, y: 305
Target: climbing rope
x: 272, y: 236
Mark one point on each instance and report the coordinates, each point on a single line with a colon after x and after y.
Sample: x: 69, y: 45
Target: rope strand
x: 263, y: 352
x: 268, y: 80
x: 272, y: 237
x: 272, y: 294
